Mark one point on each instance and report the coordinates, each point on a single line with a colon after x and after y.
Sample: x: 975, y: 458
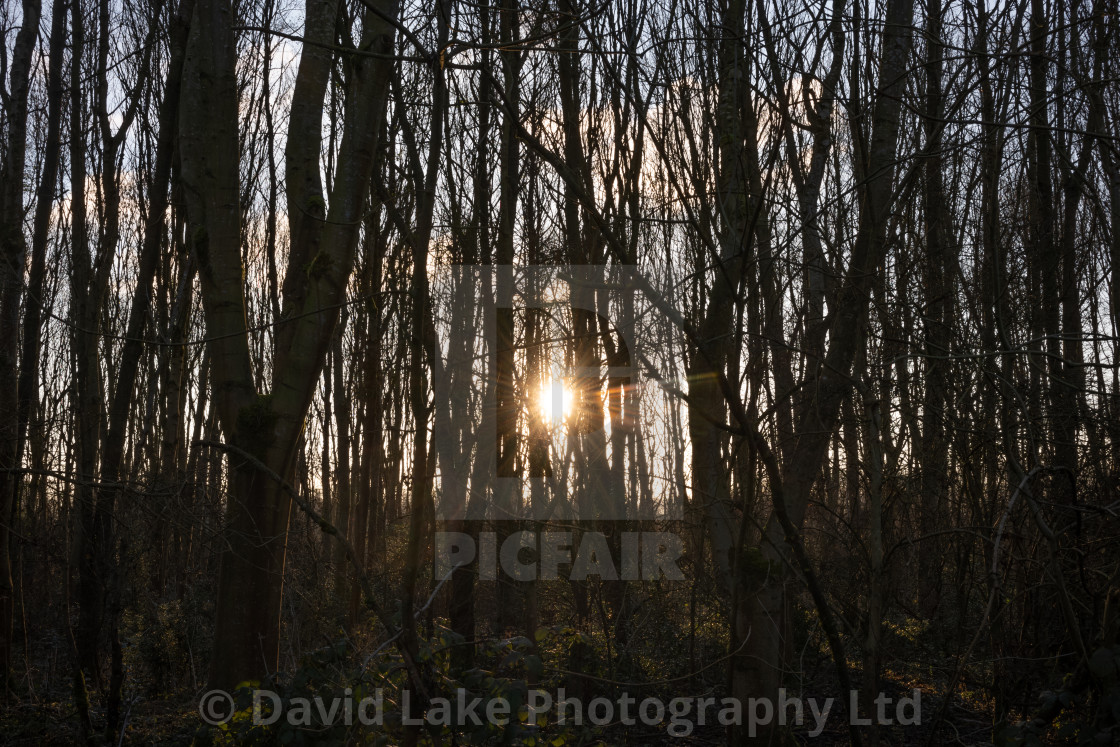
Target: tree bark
x: 13, y: 251
x: 268, y: 425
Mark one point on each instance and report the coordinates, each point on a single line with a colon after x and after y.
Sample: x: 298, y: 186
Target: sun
x: 555, y: 400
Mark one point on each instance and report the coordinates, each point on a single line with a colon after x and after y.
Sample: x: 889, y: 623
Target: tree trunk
x: 12, y: 260
x: 268, y: 425
x: 938, y: 323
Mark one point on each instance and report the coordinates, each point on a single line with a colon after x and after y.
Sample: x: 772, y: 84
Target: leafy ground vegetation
x: 675, y: 647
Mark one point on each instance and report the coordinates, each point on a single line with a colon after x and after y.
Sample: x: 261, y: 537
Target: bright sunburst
x: 555, y: 400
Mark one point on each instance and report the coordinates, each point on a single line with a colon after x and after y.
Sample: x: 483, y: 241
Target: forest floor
x: 174, y: 721
x: 916, y: 660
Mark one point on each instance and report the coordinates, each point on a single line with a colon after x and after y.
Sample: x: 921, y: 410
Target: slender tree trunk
x: 342, y: 451
x: 938, y: 323
x: 12, y: 260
